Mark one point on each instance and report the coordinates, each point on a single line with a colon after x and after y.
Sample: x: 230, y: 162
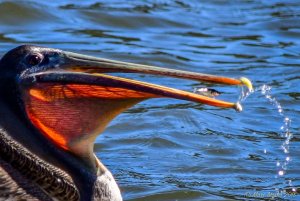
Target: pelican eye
x: 34, y: 59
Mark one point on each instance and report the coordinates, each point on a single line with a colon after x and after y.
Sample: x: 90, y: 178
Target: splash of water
x: 285, y: 131
x: 245, y: 93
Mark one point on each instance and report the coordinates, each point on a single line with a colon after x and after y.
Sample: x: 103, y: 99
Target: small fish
x: 207, y: 92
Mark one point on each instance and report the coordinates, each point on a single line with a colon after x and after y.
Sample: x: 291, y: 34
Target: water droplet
x: 280, y: 172
x: 285, y: 148
x: 284, y: 166
x: 285, y: 131
x: 265, y: 151
x: 294, y: 189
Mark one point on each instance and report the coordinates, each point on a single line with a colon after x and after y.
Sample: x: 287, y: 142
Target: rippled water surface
x: 167, y: 149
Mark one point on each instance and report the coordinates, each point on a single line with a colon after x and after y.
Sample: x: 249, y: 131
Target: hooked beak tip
x: 245, y: 81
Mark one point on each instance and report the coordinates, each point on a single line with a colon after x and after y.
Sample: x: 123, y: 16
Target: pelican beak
x: 93, y: 70
x: 78, y: 68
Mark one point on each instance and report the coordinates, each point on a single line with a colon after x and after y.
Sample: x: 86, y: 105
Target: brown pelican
x: 53, y: 105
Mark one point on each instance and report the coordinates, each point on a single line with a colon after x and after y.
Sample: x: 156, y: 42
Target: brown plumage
x: 24, y: 176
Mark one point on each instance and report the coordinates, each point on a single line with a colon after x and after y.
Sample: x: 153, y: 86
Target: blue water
x: 167, y: 149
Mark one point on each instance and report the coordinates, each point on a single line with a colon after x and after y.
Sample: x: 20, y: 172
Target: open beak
x: 71, y: 99
x: 98, y: 66
x: 82, y: 69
